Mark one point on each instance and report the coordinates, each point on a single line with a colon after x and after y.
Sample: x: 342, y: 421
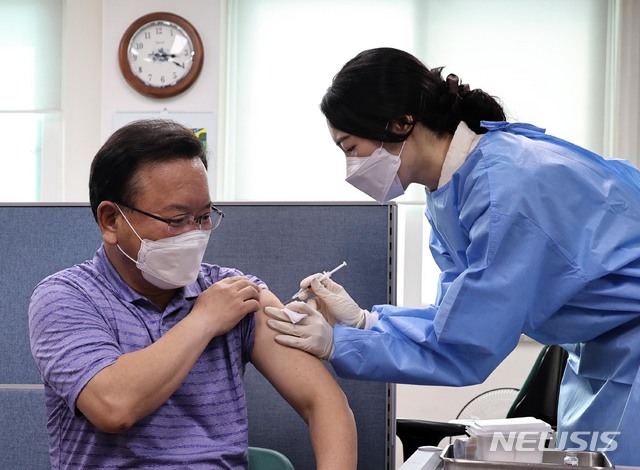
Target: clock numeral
x: 162, y: 79
x: 147, y: 35
x: 159, y: 30
x: 139, y: 45
x: 175, y: 75
x: 150, y: 77
x: 140, y: 69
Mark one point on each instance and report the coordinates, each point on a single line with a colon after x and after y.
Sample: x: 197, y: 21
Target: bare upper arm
x: 298, y: 376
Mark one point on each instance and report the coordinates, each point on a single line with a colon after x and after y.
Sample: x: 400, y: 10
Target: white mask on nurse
x: 170, y: 263
x: 376, y: 175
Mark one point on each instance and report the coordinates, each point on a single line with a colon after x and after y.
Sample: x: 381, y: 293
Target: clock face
x: 160, y: 54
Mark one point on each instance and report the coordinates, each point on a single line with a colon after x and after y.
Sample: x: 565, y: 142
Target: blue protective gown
x: 533, y: 235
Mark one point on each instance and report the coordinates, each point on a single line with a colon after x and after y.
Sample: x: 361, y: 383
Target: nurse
x: 532, y: 234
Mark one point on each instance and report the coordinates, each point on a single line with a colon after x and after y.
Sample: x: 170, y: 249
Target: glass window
x: 282, y: 55
x: 31, y: 42
x: 19, y: 157
x: 543, y: 58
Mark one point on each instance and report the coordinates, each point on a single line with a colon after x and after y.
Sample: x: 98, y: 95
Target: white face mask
x: 171, y: 263
x: 376, y: 175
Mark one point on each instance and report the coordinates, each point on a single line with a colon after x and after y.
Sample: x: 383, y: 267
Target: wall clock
x: 160, y: 55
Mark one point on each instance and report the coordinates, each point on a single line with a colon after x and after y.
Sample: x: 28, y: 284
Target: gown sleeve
x: 480, y: 316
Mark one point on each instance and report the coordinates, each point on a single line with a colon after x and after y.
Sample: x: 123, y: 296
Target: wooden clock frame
x: 170, y: 90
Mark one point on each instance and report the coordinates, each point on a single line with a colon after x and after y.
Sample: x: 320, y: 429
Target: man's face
x: 166, y: 189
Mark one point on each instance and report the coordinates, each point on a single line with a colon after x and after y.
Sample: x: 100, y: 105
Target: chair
x: 268, y: 459
x: 537, y: 398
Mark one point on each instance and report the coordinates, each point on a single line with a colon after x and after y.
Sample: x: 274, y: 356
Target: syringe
x: 325, y: 275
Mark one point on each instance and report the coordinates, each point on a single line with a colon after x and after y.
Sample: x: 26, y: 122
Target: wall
x: 81, y: 97
x: 94, y: 89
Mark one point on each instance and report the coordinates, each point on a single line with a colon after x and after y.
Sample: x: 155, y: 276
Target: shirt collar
x: 463, y: 142
x: 120, y: 288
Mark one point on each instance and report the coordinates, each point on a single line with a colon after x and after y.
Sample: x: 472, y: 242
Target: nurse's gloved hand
x: 311, y: 334
x: 333, y: 301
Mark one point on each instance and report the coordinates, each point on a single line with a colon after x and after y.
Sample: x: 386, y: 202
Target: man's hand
x: 227, y: 302
x: 311, y: 334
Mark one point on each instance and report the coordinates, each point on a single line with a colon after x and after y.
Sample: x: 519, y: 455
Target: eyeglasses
x: 183, y: 222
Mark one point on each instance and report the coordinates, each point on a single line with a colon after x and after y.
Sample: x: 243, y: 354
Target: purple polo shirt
x: 82, y: 319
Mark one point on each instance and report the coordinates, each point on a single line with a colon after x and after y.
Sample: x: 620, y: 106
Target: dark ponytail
x: 471, y: 106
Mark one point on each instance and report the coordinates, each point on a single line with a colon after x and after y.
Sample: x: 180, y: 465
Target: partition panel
x: 281, y: 243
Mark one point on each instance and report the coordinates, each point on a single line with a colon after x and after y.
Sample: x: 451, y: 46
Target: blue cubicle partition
x: 279, y: 242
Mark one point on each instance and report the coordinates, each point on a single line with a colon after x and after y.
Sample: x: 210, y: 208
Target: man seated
x: 142, y: 349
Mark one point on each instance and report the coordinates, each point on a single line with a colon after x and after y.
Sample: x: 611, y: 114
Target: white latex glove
x: 333, y: 301
x: 311, y: 334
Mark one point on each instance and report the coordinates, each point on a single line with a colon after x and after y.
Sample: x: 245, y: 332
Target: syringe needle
x: 325, y: 275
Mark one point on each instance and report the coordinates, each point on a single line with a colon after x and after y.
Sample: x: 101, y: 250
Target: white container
x: 510, y: 440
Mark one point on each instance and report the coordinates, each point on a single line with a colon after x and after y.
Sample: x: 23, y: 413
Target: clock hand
x: 162, y: 56
x: 177, y: 63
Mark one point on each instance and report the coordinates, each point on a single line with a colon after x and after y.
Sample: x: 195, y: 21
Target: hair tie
x: 455, y: 87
